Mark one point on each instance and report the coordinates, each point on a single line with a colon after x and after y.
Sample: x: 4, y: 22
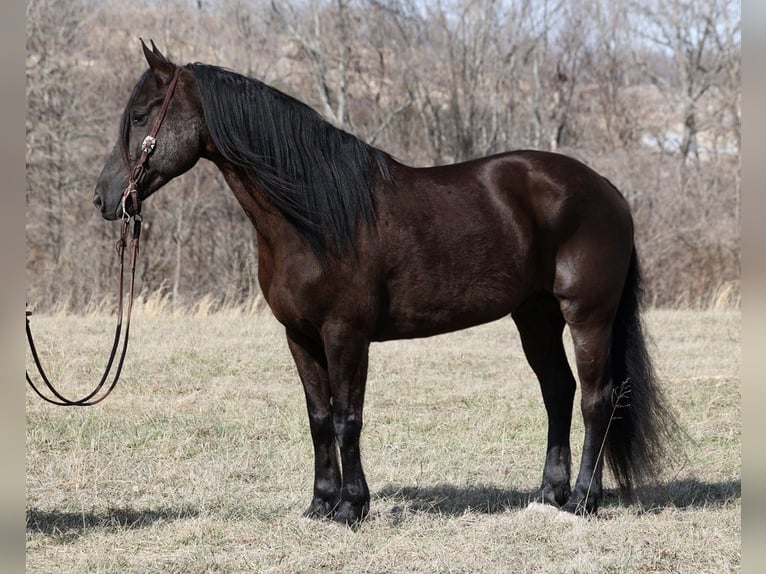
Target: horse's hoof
x: 320, y: 509
x: 554, y: 495
x: 581, y: 505
x: 350, y: 513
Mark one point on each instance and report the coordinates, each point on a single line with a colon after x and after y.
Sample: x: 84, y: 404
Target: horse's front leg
x: 347, y: 357
x: 312, y: 368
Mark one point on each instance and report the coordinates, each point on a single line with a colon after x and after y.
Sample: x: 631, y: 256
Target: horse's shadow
x: 66, y: 525
x: 689, y: 493
x: 446, y: 499
x: 442, y: 499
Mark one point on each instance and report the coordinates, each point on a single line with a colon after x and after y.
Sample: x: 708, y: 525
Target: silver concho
x: 147, y: 146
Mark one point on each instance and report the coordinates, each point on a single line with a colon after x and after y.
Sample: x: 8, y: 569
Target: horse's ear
x: 156, y: 50
x: 158, y: 63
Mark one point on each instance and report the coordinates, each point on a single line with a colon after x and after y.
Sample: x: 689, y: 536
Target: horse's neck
x: 271, y: 226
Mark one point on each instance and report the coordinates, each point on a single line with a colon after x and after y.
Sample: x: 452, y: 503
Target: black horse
x: 356, y: 247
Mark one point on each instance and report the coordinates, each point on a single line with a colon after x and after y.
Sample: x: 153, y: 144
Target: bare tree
x: 699, y: 38
x: 320, y: 31
x: 613, y: 73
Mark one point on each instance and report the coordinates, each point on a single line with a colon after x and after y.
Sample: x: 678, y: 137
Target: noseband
x: 131, y: 194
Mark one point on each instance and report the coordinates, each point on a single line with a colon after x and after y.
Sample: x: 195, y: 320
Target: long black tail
x: 643, y: 427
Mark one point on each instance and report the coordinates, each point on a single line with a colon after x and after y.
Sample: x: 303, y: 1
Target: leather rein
x: 130, y: 194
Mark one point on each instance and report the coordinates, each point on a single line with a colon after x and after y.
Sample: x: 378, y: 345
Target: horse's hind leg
x: 591, y: 338
x: 541, y: 324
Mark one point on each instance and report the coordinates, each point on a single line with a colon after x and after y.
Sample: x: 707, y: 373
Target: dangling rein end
x: 93, y: 397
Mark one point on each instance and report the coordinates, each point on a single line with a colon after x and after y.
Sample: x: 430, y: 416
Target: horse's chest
x: 297, y: 292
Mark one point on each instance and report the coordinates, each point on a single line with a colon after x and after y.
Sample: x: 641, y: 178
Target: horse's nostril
x: 97, y: 201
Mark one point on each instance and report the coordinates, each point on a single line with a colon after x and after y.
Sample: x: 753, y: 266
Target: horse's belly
x: 427, y: 309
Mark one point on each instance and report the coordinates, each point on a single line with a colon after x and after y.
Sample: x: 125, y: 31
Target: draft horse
x: 355, y: 247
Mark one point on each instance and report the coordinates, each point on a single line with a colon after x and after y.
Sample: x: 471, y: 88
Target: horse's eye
x: 138, y: 118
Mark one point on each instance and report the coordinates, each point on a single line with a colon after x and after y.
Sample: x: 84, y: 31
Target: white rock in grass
x: 551, y: 510
x: 542, y: 508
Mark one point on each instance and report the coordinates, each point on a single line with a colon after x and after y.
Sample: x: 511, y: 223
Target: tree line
x: 646, y: 92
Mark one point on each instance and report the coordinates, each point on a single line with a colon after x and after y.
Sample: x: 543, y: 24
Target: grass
x: 201, y: 461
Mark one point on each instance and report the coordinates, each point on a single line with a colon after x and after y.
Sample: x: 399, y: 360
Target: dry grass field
x: 201, y: 460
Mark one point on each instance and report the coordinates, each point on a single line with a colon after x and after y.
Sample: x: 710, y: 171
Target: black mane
x: 318, y: 176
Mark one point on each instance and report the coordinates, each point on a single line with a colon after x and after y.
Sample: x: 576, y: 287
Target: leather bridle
x: 130, y: 194
x: 147, y: 147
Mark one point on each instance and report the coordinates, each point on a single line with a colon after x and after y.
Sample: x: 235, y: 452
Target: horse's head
x: 178, y: 140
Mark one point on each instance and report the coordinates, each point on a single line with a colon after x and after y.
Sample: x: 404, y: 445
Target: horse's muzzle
x: 103, y: 208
